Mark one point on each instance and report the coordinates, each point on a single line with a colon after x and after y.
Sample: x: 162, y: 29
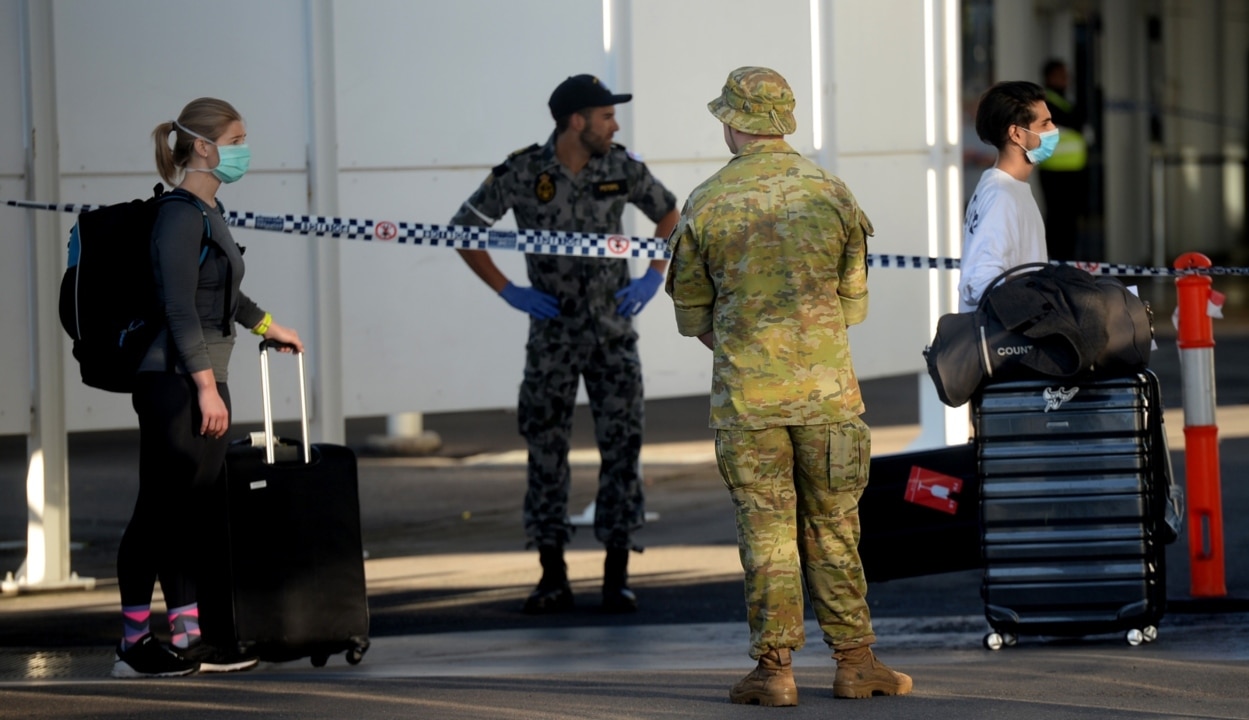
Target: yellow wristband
x: 262, y: 327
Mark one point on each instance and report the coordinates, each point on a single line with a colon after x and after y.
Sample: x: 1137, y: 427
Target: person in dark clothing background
x: 1064, y: 176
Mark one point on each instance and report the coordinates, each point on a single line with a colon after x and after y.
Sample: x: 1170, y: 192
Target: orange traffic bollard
x: 1201, y: 433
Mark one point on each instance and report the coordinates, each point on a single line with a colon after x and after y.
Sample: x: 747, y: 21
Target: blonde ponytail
x: 165, y: 164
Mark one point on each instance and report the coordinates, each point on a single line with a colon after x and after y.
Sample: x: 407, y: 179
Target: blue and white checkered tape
x: 550, y: 242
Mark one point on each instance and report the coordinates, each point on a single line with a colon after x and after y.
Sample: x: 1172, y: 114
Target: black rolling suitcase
x: 920, y: 514
x: 292, y: 582
x: 1075, y: 477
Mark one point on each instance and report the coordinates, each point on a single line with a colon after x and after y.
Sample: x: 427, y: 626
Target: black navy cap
x: 580, y: 92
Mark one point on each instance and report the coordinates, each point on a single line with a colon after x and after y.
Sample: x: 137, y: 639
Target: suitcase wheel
x: 319, y: 660
x: 354, y: 656
x: 997, y: 641
x: 1147, y: 634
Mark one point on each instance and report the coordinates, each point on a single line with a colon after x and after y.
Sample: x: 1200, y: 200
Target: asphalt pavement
x: 447, y: 571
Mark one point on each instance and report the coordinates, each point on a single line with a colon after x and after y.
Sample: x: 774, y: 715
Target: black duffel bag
x: 1040, y: 320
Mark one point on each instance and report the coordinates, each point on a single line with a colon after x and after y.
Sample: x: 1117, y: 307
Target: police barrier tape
x: 550, y: 242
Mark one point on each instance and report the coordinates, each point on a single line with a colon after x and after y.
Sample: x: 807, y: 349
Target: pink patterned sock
x: 184, y: 625
x: 135, y: 624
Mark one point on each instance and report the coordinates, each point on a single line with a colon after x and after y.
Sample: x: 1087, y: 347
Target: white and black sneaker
x: 148, y: 658
x: 212, y: 659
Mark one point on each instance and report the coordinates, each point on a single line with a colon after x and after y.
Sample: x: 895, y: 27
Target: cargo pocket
x: 849, y: 455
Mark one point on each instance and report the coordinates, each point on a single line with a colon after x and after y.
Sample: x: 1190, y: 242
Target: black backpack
x: 109, y: 304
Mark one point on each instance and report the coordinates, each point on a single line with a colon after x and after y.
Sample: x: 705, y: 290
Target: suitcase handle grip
x: 266, y: 399
x: 269, y: 344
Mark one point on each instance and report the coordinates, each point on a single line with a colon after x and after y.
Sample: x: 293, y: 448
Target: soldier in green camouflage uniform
x: 581, y: 326
x: 768, y: 269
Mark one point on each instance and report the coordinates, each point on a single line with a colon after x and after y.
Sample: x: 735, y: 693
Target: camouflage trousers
x: 613, y: 381
x: 796, y: 493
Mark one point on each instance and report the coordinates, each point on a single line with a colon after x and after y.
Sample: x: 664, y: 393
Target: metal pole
x: 327, y: 410
x: 47, y: 564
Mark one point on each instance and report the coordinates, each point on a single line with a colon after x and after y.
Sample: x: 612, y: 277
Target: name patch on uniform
x: 608, y: 188
x: 544, y: 188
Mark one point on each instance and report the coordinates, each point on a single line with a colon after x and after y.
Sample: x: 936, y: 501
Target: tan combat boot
x: 861, y: 675
x: 771, y: 683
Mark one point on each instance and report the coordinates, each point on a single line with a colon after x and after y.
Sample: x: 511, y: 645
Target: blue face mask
x: 232, y: 160
x: 1042, y: 152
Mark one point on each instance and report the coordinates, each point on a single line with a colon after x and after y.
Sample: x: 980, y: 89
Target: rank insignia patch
x: 544, y: 188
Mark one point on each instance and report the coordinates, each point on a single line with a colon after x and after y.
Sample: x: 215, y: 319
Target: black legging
x: 176, y: 464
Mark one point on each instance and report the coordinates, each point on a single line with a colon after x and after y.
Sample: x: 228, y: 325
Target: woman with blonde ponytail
x: 180, y: 395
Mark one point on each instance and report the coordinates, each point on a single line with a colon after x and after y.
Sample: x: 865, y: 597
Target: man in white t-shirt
x: 1003, y: 226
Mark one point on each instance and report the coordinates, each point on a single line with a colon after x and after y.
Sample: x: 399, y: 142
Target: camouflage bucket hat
x: 756, y: 100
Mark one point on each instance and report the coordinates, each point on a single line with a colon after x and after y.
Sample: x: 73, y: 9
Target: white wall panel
x: 14, y: 260
x: 892, y: 191
x: 279, y: 278
x: 878, y: 58
x: 433, y: 83
x: 421, y: 332
x: 682, y: 53
x: 15, y: 292
x: 12, y: 142
x: 878, y: 111
x: 124, y: 67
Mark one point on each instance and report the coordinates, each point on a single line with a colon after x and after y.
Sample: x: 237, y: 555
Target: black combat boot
x: 617, y: 597
x: 553, y: 593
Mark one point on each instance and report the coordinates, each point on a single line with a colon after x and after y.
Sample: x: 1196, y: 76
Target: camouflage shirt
x: 543, y: 195
x: 771, y: 254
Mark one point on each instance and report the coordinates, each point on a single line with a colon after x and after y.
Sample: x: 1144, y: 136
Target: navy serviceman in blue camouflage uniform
x: 769, y: 268
x: 580, y: 326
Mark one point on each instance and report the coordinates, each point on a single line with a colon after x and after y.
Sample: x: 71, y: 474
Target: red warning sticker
x: 618, y: 244
x: 385, y: 230
x: 933, y: 489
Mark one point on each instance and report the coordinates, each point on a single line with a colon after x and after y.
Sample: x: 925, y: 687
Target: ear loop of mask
x: 1023, y: 147
x: 193, y: 134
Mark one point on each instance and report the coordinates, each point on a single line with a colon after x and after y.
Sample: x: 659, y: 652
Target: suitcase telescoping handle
x: 266, y: 400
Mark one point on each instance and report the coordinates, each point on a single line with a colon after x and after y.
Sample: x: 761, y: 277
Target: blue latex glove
x: 638, y: 292
x: 535, y: 302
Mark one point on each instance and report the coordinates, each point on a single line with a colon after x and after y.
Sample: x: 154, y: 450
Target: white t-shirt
x: 1002, y: 229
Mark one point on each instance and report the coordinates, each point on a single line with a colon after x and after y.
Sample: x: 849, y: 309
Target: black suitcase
x: 292, y: 582
x: 1074, y: 483
x: 920, y: 514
